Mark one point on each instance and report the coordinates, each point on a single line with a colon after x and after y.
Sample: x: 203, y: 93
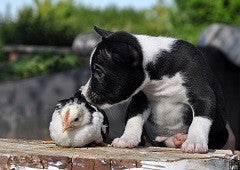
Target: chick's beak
x: 65, y: 126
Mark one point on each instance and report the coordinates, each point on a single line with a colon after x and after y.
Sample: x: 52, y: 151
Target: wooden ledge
x: 19, y: 154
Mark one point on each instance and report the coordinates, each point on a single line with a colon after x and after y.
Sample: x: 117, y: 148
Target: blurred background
x: 45, y: 47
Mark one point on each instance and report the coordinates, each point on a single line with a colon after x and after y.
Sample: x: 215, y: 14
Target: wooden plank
x: 34, y: 154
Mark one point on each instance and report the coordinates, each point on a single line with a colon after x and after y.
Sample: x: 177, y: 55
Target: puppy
x: 172, y: 88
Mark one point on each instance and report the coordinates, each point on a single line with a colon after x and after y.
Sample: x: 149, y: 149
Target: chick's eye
x: 76, y: 119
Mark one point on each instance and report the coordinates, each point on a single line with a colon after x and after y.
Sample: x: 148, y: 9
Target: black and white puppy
x: 172, y: 89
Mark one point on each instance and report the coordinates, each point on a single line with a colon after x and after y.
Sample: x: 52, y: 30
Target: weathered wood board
x: 20, y: 154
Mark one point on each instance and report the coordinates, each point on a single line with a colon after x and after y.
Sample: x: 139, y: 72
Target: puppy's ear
x: 103, y: 33
x: 123, y: 53
x: 135, y: 56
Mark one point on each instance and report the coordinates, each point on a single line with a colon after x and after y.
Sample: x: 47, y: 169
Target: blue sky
x: 15, y: 5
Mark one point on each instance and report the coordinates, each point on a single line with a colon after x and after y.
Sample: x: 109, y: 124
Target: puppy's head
x: 116, y: 67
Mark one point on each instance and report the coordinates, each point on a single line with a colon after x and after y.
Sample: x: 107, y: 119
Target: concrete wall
x: 26, y: 106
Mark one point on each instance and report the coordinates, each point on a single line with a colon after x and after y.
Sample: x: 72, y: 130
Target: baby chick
x: 76, y: 123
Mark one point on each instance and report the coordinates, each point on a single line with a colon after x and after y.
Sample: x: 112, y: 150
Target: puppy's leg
x: 197, y: 139
x: 132, y: 133
x: 177, y: 140
x: 204, y: 109
x: 138, y: 112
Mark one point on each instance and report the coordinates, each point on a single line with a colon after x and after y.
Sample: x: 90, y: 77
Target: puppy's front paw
x: 194, y: 146
x: 125, y: 142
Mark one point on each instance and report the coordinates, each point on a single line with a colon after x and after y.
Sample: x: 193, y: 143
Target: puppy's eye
x: 98, y: 71
x: 76, y: 119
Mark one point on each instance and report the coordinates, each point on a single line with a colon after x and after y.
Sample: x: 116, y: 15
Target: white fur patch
x: 91, y: 56
x: 151, y: 46
x: 133, y: 131
x: 167, y: 87
x: 167, y: 97
x: 197, y: 139
x: 85, y: 89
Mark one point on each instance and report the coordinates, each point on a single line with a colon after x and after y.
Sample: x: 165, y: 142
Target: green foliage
x: 58, y: 23
x: 37, y: 65
x: 191, y: 17
x: 45, y: 24
x: 205, y: 11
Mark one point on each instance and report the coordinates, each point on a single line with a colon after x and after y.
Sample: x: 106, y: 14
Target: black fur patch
x: 138, y: 105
